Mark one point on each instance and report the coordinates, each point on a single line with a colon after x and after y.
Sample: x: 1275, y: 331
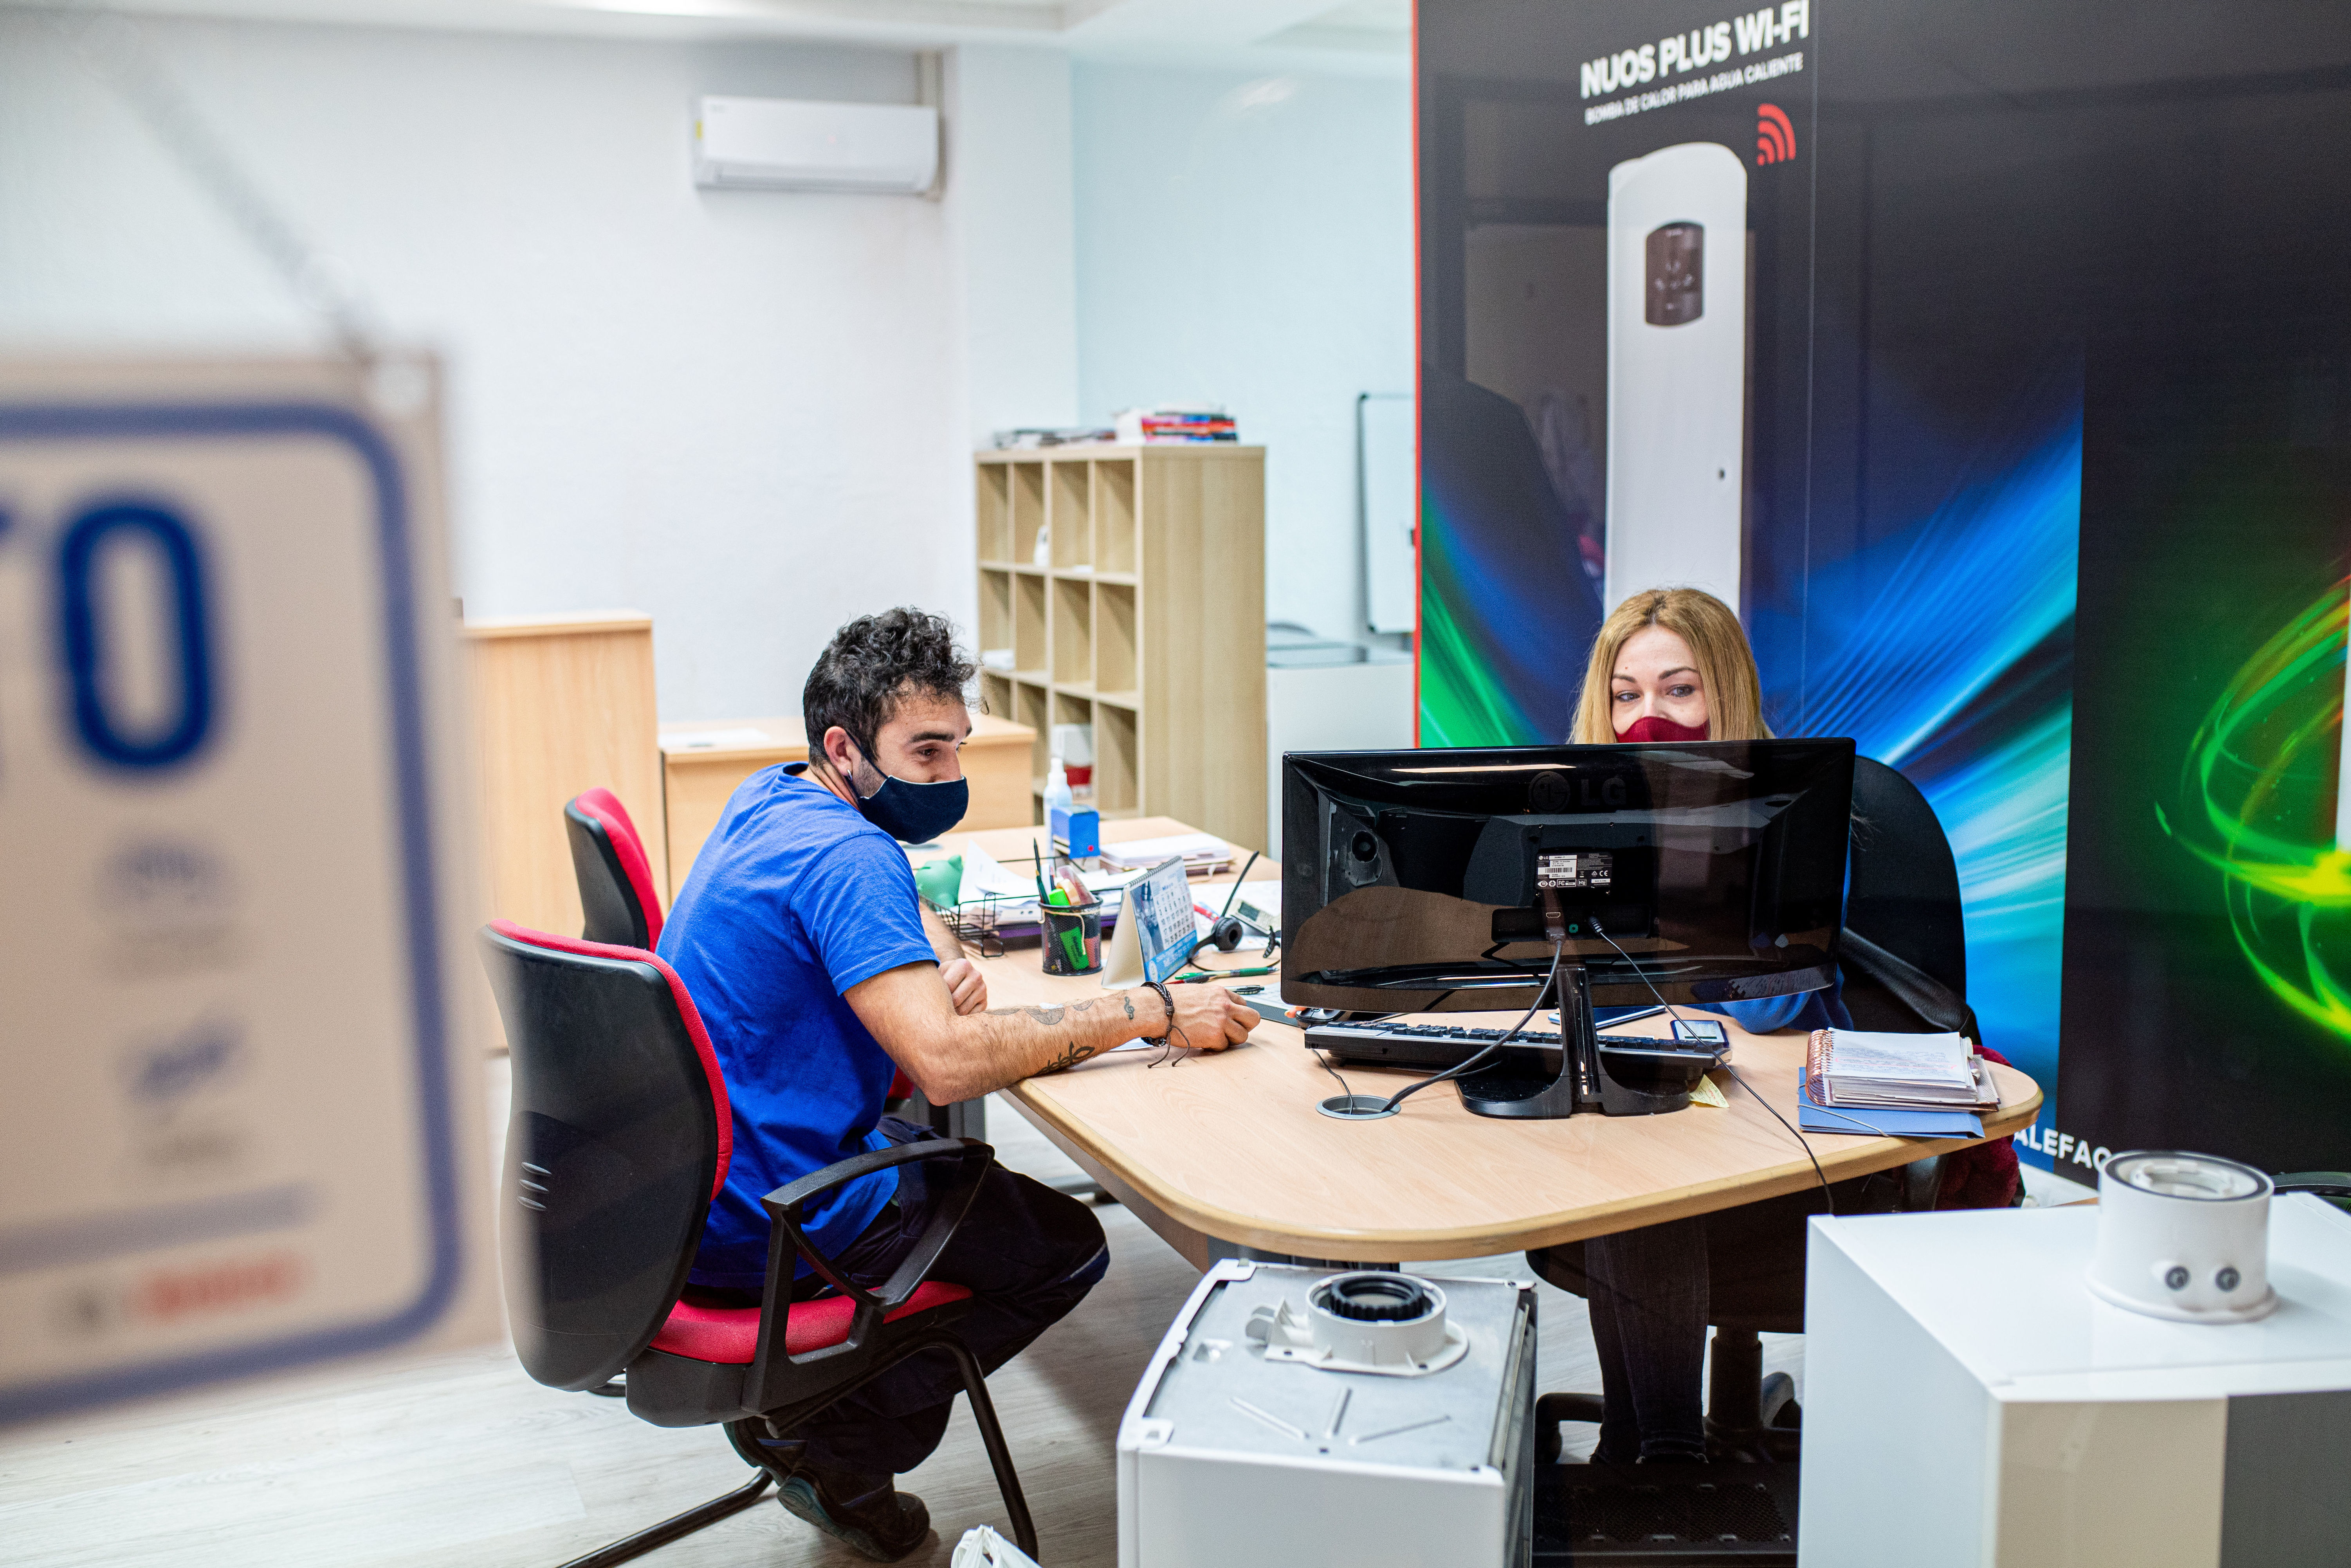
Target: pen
x: 1222, y: 975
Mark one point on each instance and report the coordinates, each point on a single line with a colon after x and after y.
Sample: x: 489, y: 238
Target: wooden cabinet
x: 702, y: 763
x: 1143, y: 616
x: 561, y: 704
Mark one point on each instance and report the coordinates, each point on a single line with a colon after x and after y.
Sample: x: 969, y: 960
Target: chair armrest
x: 793, y: 1195
x: 786, y: 1205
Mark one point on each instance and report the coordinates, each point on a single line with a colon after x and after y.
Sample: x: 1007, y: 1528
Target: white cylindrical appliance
x: 1677, y: 370
x: 2183, y: 1236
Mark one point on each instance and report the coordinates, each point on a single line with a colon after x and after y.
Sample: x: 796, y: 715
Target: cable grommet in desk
x: 1356, y: 1107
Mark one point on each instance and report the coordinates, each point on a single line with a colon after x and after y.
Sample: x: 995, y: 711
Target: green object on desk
x: 941, y: 880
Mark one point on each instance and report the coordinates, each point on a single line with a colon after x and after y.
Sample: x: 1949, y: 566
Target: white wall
x: 1249, y: 240
x: 749, y: 413
x: 742, y: 412
x: 1011, y: 221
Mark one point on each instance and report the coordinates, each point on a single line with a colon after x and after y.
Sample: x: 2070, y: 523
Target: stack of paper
x: 1202, y: 853
x: 1855, y: 1069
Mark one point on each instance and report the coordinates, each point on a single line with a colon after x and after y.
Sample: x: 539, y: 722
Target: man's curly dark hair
x: 875, y: 663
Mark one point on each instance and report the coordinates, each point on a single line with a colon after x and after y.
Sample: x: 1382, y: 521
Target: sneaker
x: 883, y: 1524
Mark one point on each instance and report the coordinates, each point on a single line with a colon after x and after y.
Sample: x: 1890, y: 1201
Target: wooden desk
x: 698, y: 780
x: 1228, y: 1149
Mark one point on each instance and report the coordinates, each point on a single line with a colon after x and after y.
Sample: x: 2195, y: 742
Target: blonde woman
x: 1672, y: 664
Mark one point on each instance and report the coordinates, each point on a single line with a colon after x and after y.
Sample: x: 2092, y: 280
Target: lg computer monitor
x: 1414, y: 880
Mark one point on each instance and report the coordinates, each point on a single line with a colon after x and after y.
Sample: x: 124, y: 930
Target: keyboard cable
x: 1719, y: 1062
x: 1549, y: 987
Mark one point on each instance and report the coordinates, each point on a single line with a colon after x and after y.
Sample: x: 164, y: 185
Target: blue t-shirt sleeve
x: 1763, y: 1015
x: 856, y: 904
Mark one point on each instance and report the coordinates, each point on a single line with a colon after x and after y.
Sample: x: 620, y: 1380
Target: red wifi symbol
x: 1775, y: 139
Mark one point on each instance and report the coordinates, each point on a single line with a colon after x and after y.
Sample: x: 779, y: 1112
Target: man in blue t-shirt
x: 819, y: 977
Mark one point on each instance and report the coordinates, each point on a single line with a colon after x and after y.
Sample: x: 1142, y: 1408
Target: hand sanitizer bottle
x: 1056, y: 790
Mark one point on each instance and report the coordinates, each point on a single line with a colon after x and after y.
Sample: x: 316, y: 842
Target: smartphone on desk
x: 1700, y: 1031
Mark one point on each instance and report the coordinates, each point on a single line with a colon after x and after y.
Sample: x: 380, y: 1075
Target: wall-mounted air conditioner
x: 779, y: 145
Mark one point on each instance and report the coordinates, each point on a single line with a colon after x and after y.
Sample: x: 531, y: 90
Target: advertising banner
x: 1995, y: 362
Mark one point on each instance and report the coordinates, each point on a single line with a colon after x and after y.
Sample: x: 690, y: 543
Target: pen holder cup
x: 1073, y: 940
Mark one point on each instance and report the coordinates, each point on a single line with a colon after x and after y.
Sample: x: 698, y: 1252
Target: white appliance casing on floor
x: 1676, y: 392
x: 1968, y: 1401
x: 1227, y: 1461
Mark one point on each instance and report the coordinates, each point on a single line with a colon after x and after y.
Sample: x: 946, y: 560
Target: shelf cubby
x: 1114, y: 638
x: 1070, y: 709
x: 996, y: 693
x: 1117, y: 764
x: 1146, y: 619
x: 1027, y: 509
x: 1034, y: 707
x: 1028, y: 643
x: 1073, y: 622
x: 995, y: 609
x: 1114, y: 516
x: 994, y: 508
x: 1074, y: 532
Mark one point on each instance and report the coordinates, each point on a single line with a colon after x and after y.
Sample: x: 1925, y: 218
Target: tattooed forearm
x: 1049, y: 1015
x: 1069, y: 1058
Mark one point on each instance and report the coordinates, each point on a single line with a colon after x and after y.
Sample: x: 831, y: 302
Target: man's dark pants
x: 1028, y: 1255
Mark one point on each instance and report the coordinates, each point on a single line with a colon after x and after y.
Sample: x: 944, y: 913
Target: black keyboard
x: 1434, y: 1047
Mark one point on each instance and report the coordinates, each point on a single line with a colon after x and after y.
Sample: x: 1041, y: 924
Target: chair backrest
x: 616, y: 880
x: 618, y: 1139
x: 1902, y: 900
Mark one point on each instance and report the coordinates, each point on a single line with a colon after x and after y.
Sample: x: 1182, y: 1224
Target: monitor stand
x: 1584, y: 1083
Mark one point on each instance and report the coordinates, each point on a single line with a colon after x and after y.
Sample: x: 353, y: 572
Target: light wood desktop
x: 1221, y: 1151
x: 697, y: 780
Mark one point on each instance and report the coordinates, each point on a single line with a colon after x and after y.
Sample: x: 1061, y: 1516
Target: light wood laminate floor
x: 462, y: 1460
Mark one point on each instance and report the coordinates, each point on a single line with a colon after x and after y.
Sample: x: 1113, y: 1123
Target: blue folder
x: 1865, y: 1121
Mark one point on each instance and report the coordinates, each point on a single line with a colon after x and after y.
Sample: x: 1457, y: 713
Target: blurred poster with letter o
x: 242, y: 1125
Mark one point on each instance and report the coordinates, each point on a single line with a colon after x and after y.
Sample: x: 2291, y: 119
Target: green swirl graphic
x: 2258, y: 805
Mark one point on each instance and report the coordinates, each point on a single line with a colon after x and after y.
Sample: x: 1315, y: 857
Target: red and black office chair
x: 620, y: 1139
x: 616, y: 880
x: 616, y: 884
x: 1905, y: 961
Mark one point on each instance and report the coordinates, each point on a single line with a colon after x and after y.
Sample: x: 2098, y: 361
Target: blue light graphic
x: 1946, y: 651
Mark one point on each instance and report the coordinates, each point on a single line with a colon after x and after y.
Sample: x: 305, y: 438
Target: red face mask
x: 1654, y: 727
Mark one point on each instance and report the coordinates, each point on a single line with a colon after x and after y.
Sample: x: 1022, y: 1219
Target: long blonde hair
x: 1734, y: 696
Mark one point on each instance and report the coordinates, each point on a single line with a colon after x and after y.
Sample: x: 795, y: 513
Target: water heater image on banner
x: 1677, y: 369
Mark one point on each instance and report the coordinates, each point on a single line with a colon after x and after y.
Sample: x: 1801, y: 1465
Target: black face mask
x: 914, y: 813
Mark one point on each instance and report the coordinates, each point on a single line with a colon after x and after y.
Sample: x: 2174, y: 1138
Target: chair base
x: 678, y: 1528
x: 1666, y: 1516
x: 750, y: 1435
x: 1749, y: 1417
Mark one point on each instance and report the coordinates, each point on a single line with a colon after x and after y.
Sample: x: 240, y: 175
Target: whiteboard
x: 1388, y: 508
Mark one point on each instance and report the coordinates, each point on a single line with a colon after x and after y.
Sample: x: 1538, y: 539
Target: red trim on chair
x: 685, y: 1007
x: 730, y: 1335
x: 605, y: 807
